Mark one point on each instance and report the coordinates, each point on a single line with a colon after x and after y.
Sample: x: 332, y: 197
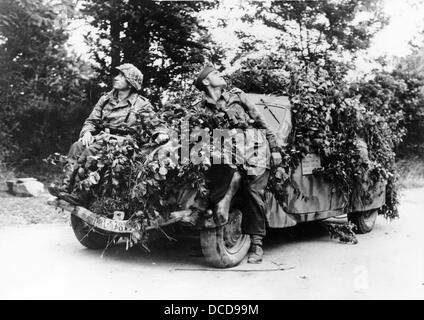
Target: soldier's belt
x: 116, y: 131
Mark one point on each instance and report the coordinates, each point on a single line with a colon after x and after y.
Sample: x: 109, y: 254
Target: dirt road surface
x: 45, y: 261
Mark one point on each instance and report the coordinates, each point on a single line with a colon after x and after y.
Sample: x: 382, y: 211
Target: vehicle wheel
x: 88, y: 236
x: 364, y: 221
x: 225, y: 246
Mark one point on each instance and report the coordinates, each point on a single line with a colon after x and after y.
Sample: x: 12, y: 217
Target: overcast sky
x: 406, y: 20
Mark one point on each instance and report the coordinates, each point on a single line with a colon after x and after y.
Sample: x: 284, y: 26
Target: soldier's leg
x: 92, y: 150
x: 219, y: 177
x: 75, y: 152
x: 76, y: 149
x: 224, y: 184
x: 77, y: 196
x: 254, y: 218
x: 70, y: 170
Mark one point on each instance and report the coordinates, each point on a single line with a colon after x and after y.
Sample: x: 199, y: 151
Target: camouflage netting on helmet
x: 132, y: 74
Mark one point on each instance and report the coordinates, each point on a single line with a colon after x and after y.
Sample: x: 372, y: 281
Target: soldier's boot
x: 256, y: 252
x: 73, y: 195
x: 67, y: 181
x: 222, y: 208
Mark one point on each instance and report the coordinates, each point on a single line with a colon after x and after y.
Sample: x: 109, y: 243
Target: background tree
x: 42, y: 88
x: 318, y: 31
x: 409, y: 70
x: 164, y: 39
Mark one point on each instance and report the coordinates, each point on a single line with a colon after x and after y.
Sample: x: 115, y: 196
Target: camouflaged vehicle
x: 225, y: 246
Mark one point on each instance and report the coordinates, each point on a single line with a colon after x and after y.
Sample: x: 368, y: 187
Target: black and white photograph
x: 211, y: 150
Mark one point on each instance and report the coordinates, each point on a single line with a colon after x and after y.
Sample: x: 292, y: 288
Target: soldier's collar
x: 131, y: 98
x: 224, y: 95
x: 209, y: 100
x: 111, y: 94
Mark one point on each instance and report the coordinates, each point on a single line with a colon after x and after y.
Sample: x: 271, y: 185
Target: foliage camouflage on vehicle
x: 329, y: 115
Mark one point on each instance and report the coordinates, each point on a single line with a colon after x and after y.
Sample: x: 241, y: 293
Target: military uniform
x: 120, y: 118
x: 243, y: 114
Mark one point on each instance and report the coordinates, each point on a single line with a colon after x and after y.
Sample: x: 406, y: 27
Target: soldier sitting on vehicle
x: 116, y: 113
x: 225, y: 179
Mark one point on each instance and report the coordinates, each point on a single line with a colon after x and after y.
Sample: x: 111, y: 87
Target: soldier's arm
x: 94, y: 118
x: 259, y: 119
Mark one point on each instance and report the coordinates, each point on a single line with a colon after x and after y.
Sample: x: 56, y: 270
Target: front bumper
x: 120, y: 226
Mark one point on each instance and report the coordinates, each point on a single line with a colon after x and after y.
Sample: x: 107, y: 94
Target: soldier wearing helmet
x: 116, y: 113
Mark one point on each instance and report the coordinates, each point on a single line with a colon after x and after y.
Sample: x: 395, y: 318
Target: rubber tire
x: 364, y: 221
x: 90, y: 238
x: 214, y: 248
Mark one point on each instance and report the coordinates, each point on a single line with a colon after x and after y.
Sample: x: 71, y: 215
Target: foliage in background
x: 324, y: 32
x: 316, y: 31
x: 42, y: 89
x: 410, y: 71
x: 163, y: 39
x: 411, y: 173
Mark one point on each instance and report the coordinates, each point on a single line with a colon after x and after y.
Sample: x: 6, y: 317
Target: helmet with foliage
x: 132, y: 74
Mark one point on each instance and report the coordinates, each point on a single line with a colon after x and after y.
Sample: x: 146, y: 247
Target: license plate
x: 117, y: 226
x: 310, y: 162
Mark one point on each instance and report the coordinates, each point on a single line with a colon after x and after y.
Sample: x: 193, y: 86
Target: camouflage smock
x: 133, y: 112
x: 242, y: 114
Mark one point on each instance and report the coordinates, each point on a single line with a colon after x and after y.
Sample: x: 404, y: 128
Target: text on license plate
x: 310, y: 162
x: 113, y: 225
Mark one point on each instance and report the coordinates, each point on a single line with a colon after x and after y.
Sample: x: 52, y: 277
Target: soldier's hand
x: 87, y: 139
x: 276, y: 158
x: 162, y: 137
